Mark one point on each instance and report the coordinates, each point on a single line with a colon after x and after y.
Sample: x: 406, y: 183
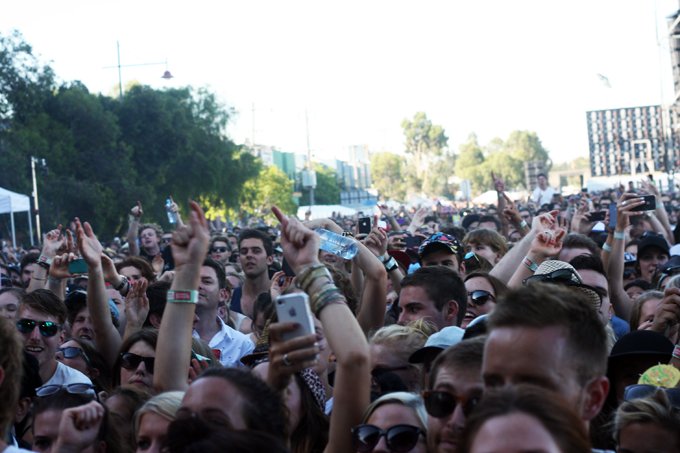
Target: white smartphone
x: 295, y: 308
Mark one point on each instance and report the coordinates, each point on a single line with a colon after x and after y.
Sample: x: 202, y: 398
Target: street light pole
x: 35, y: 196
x: 310, y: 166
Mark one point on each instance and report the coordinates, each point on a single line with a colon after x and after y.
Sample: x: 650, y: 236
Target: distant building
x: 633, y: 140
x: 270, y: 155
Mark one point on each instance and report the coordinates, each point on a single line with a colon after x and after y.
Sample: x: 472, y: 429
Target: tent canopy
x: 13, y: 202
x: 325, y: 211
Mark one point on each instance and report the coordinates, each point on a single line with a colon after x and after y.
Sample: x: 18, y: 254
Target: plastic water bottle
x: 337, y: 244
x: 172, y: 217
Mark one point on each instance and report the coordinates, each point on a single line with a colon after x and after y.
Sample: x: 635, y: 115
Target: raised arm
x: 417, y: 220
x: 53, y: 243
x: 175, y: 210
x: 135, y: 214
x: 545, y: 244
x: 107, y: 336
x: 173, y: 351
x: 372, y: 253
x: 345, y: 337
x: 664, y: 226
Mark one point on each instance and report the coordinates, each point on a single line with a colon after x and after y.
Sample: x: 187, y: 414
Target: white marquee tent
x: 11, y: 202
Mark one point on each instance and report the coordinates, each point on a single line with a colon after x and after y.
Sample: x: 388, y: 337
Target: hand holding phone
x: 364, y: 225
x: 295, y: 308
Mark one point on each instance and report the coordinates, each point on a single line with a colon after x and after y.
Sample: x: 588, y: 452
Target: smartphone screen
x: 612, y: 216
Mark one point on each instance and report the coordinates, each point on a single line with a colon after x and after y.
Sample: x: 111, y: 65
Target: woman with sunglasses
x: 135, y: 363
x: 648, y: 424
x: 524, y: 418
x: 81, y: 355
x: 483, y: 291
x: 396, y: 422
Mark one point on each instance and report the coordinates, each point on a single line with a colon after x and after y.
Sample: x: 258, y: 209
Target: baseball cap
x: 446, y: 337
x: 468, y: 219
x: 402, y: 258
x: 439, y: 241
x: 653, y: 240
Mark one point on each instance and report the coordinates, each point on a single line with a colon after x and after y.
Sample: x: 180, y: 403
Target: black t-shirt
x: 166, y: 254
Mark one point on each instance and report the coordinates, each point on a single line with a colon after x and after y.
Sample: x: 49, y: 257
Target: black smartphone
x: 287, y: 269
x: 364, y: 225
x: 598, y: 216
x: 650, y: 204
x: 413, y: 241
x: 612, y: 216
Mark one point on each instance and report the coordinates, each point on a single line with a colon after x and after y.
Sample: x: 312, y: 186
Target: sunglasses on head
x: 47, y: 328
x: 219, y: 249
x: 442, y: 404
x: 480, y: 297
x: 72, y: 352
x: 131, y: 361
x: 47, y: 390
x: 642, y: 391
x: 400, y: 438
x: 560, y: 277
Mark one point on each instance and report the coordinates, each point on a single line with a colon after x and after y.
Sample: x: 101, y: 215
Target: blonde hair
x: 165, y: 405
x: 655, y: 409
x: 410, y: 400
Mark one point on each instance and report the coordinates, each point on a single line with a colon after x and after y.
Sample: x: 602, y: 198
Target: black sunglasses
x: 167, y: 240
x: 560, y: 277
x: 47, y: 390
x: 442, y: 404
x: 72, y: 352
x: 400, y: 438
x: 628, y: 272
x: 480, y: 297
x: 131, y: 361
x: 642, y: 391
x: 219, y: 249
x: 47, y: 328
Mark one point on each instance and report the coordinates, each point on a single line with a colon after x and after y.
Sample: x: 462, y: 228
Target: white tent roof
x: 13, y: 202
x: 325, y: 211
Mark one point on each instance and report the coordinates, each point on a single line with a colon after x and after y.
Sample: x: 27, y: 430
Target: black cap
x: 653, y: 240
x: 468, y: 219
x: 640, y: 342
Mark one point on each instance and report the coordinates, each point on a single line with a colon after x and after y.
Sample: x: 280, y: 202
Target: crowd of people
x: 548, y: 324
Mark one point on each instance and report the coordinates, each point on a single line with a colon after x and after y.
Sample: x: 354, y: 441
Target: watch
x: 123, y: 282
x: 391, y: 264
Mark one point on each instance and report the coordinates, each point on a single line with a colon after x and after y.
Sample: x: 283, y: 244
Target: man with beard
x: 256, y: 254
x: 228, y: 344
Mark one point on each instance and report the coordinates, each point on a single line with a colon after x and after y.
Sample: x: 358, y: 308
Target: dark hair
x: 490, y: 218
x: 642, y: 284
x: 541, y: 306
x: 250, y: 233
x: 220, y: 239
x: 590, y: 263
x: 465, y: 355
x: 636, y: 309
x: 219, y: 271
x: 194, y: 435
x: 263, y: 409
x: 157, y: 293
x: 11, y: 364
x: 141, y: 264
x: 456, y: 231
x: 441, y: 283
x: 262, y: 303
x: 485, y: 236
x: 103, y: 380
x: 564, y: 425
x: 344, y: 284
x: 580, y: 241
x: 430, y: 218
x: 46, y: 302
x: 133, y: 398
x: 62, y: 400
x: 499, y: 287
x: 75, y: 301
x: 28, y: 259
x: 311, y: 432
x: 541, y: 174
x: 148, y: 336
x: 476, y: 263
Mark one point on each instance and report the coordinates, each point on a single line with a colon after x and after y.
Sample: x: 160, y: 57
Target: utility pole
x: 252, y: 136
x: 310, y: 167
x: 35, y: 195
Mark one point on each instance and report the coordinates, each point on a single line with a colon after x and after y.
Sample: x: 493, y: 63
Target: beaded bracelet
x: 329, y: 294
x: 606, y: 248
x: 310, y: 274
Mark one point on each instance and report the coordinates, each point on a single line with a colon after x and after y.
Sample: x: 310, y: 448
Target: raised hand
x: 626, y: 203
x: 79, y: 427
x: 54, y: 243
x: 137, y: 304
x: 300, y: 244
x: 59, y: 267
x: 376, y: 241
x: 109, y: 269
x: 544, y: 222
x: 136, y: 211
x: 276, y: 290
x: 158, y: 264
x: 289, y: 357
x: 190, y: 242
x: 548, y: 243
x: 498, y: 183
x: 89, y: 245
x: 511, y: 212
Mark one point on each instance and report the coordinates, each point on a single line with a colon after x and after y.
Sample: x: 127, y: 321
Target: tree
x: 327, y: 189
x: 440, y: 182
x: 388, y: 176
x: 526, y: 146
x: 270, y: 187
x: 424, y: 141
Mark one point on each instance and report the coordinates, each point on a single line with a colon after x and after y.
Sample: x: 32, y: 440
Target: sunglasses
x: 72, y: 352
x: 47, y: 328
x: 131, y: 361
x: 47, y: 390
x: 480, y: 297
x: 442, y: 404
x: 399, y: 438
x: 642, y: 391
x: 167, y: 240
x: 219, y: 249
x: 628, y: 272
x: 560, y: 277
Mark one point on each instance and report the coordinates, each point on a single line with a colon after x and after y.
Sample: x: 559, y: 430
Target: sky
x: 356, y: 70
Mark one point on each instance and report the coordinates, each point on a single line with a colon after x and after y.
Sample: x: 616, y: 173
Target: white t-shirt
x: 13, y: 449
x: 545, y: 195
x: 229, y: 345
x: 65, y: 375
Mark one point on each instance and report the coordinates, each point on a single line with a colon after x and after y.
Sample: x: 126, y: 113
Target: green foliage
x: 425, y: 143
x: 387, y: 172
x: 271, y: 187
x: 327, y: 189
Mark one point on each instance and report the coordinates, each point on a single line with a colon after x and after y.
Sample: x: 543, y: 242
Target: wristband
x: 676, y: 352
x: 530, y: 264
x: 310, y: 274
x: 606, y: 248
x: 391, y: 264
x: 383, y: 258
x: 44, y: 259
x: 620, y: 235
x: 522, y: 224
x: 120, y: 285
x: 183, y: 296
x: 53, y: 281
